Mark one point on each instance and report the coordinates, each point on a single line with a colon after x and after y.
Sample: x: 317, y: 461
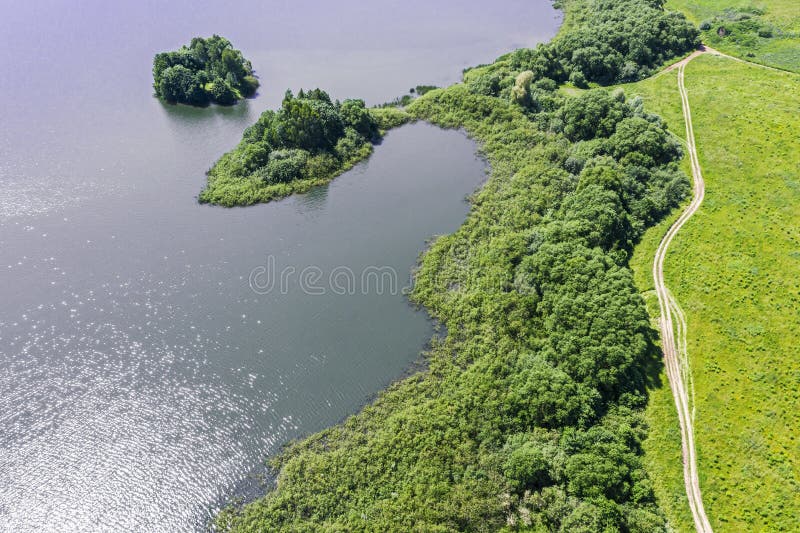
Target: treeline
x: 208, y: 70
x: 307, y: 141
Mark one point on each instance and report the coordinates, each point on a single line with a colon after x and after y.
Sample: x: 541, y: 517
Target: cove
x: 141, y: 375
x: 147, y: 393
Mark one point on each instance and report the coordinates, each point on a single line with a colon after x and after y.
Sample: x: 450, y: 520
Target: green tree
x: 355, y: 115
x: 221, y: 93
x: 206, y: 60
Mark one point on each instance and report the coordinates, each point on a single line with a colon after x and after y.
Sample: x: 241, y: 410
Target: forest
x: 609, y: 41
x: 529, y: 416
x: 207, y: 71
x: 306, y: 142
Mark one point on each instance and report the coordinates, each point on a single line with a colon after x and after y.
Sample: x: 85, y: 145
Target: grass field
x: 663, y: 444
x: 778, y: 21
x: 735, y: 269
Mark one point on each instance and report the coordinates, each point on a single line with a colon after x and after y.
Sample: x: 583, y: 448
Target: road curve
x: 669, y: 309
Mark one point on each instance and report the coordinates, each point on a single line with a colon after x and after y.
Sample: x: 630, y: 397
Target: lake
x: 154, y: 351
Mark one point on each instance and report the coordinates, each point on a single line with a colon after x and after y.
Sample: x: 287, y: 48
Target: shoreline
x: 369, y: 418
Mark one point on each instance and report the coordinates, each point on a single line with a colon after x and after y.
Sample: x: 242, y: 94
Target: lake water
x: 147, y: 367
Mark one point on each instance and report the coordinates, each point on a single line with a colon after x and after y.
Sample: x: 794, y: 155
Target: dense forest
x: 602, y: 42
x: 309, y: 140
x: 208, y: 70
x: 529, y: 416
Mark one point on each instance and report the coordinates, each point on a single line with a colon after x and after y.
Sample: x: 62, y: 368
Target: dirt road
x: 674, y: 351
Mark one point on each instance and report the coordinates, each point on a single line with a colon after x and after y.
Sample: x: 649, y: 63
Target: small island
x: 308, y: 141
x: 207, y: 71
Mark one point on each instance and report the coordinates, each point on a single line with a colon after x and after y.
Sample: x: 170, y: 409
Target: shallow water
x: 146, y: 365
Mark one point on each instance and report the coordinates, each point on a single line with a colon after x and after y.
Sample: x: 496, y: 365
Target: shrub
x: 222, y: 93
x: 521, y: 91
x: 286, y: 165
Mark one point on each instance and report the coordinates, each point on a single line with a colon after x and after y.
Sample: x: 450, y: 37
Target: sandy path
x: 675, y: 361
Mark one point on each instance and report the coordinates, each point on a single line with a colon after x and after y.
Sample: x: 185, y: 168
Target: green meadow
x: 762, y: 31
x: 735, y: 270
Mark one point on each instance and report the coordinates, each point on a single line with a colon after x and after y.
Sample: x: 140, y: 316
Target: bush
x: 521, y: 91
x: 486, y: 85
x: 527, y: 468
x: 578, y: 79
x: 356, y: 116
x: 222, y: 93
x: 286, y: 165
x: 592, y: 114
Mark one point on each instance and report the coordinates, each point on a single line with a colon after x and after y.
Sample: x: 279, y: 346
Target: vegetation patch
x: 766, y: 31
x: 530, y: 416
x: 609, y: 41
x: 307, y: 142
x: 208, y: 70
x: 406, y: 99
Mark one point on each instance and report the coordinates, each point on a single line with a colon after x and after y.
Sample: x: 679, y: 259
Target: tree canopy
x: 208, y: 70
x: 610, y: 41
x: 529, y: 415
x: 309, y: 139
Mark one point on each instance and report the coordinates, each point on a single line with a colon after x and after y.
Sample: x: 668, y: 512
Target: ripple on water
x: 124, y: 425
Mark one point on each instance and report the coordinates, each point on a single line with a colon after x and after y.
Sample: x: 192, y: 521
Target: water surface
x: 141, y: 377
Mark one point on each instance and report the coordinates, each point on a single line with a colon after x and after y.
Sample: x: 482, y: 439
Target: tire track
x: 675, y: 361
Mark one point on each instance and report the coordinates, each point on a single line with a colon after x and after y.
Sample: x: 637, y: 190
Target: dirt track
x: 674, y: 351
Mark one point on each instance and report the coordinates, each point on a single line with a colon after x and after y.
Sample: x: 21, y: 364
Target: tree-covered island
x: 206, y: 71
x: 306, y: 142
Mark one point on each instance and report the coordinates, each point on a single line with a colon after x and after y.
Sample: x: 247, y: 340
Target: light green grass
x: 735, y: 269
x: 663, y: 444
x: 782, y: 12
x: 782, y: 50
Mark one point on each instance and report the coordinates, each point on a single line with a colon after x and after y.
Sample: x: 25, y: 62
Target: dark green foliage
x: 486, y: 84
x: 529, y: 416
x: 421, y: 90
x: 179, y: 84
x: 208, y: 70
x: 222, y: 93
x: 641, y: 142
x: 609, y: 41
x: 533, y: 460
x: 406, y: 99
x: 309, y: 123
x: 286, y: 165
x: 356, y: 116
x: 307, y: 141
x: 593, y: 114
